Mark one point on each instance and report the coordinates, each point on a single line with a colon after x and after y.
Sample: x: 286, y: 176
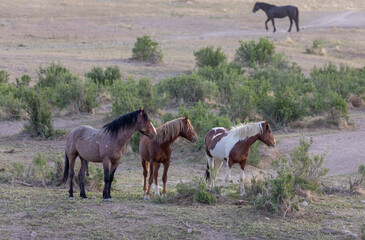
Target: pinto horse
x: 233, y: 146
x: 273, y: 11
x: 158, y: 150
x: 106, y: 145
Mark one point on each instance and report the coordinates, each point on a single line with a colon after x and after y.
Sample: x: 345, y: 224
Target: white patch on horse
x: 237, y: 133
x: 216, y: 135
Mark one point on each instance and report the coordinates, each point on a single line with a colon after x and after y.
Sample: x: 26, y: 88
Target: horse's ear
x: 140, y: 108
x: 187, y: 117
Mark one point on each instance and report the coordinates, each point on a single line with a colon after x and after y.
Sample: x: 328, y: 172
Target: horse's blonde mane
x: 243, y: 131
x: 169, y: 130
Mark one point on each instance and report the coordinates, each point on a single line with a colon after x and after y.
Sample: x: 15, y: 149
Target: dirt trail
x: 345, y: 149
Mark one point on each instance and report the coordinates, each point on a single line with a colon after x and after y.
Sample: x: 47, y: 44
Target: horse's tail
x: 65, y: 172
x: 207, y: 173
x: 297, y: 15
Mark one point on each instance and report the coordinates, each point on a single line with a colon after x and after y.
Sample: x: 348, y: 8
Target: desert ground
x: 86, y: 33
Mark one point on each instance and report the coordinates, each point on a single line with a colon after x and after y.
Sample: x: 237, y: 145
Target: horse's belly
x: 90, y: 152
x: 219, y: 151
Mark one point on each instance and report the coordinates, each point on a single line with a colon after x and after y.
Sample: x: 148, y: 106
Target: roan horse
x: 273, y: 11
x: 233, y: 146
x: 158, y: 150
x: 106, y: 145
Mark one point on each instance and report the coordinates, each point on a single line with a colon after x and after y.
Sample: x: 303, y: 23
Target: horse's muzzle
x: 273, y: 145
x: 194, y: 139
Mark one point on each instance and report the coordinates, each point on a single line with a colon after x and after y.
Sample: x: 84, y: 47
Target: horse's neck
x: 266, y: 6
x: 169, y: 141
x: 125, y: 134
x: 249, y: 141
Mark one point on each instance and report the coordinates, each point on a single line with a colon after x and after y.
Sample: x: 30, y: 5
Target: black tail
x: 297, y: 17
x: 65, y: 172
x: 207, y: 172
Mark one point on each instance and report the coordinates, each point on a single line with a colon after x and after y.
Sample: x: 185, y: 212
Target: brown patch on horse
x: 213, y: 140
x: 240, y: 150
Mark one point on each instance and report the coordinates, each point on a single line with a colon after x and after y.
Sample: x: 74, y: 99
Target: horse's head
x: 144, y: 125
x: 267, y: 136
x: 188, y: 131
x: 256, y: 7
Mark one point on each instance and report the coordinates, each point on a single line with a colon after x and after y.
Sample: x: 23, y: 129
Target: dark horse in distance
x: 273, y: 11
x: 106, y: 145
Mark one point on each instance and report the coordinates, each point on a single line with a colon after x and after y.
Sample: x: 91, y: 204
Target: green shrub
x: 151, y: 100
x: 190, y: 88
x: 298, y: 171
x: 198, y: 190
x: 134, y: 142
x: 251, y: 53
x: 4, y: 76
x: 254, y: 157
x: 96, y: 178
x: 203, y: 119
x: 208, y: 57
x: 11, y: 106
x: 125, y: 97
x: 225, y: 76
x: 53, y: 75
x: 147, y: 50
x: 40, y: 115
x: 44, y: 170
x: 106, y: 77
x: 356, y: 180
x: 24, y: 81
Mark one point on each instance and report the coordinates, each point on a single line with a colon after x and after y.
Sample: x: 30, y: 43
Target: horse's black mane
x: 266, y: 6
x: 122, y: 122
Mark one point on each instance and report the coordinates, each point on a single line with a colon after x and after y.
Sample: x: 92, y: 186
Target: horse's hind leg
x: 291, y: 24
x: 297, y: 23
x: 273, y: 24
x: 71, y: 174
x: 266, y: 24
x: 82, y: 177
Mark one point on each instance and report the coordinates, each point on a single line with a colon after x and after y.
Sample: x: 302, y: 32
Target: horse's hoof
x: 146, y: 198
x: 163, y: 195
x: 107, y: 199
x: 71, y: 198
x: 143, y: 194
x: 84, y: 198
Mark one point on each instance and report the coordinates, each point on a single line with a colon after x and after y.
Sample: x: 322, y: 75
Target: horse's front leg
x: 164, y: 177
x: 273, y: 24
x: 106, y: 167
x: 266, y: 24
x: 155, y: 176
x: 82, y: 177
x: 291, y: 24
x: 242, y: 178
x: 150, y: 180
x: 145, y: 165
x: 227, y: 178
x: 113, y: 168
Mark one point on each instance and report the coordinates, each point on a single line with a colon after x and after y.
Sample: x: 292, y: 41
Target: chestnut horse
x: 273, y: 11
x: 233, y: 146
x: 106, y: 145
x: 158, y: 150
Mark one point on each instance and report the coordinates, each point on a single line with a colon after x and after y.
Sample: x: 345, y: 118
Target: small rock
x: 33, y: 235
x: 92, y: 197
x: 267, y: 218
x: 334, y: 213
x: 363, y: 201
x: 328, y: 230
x: 348, y: 233
x: 190, y: 230
x: 304, y: 204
